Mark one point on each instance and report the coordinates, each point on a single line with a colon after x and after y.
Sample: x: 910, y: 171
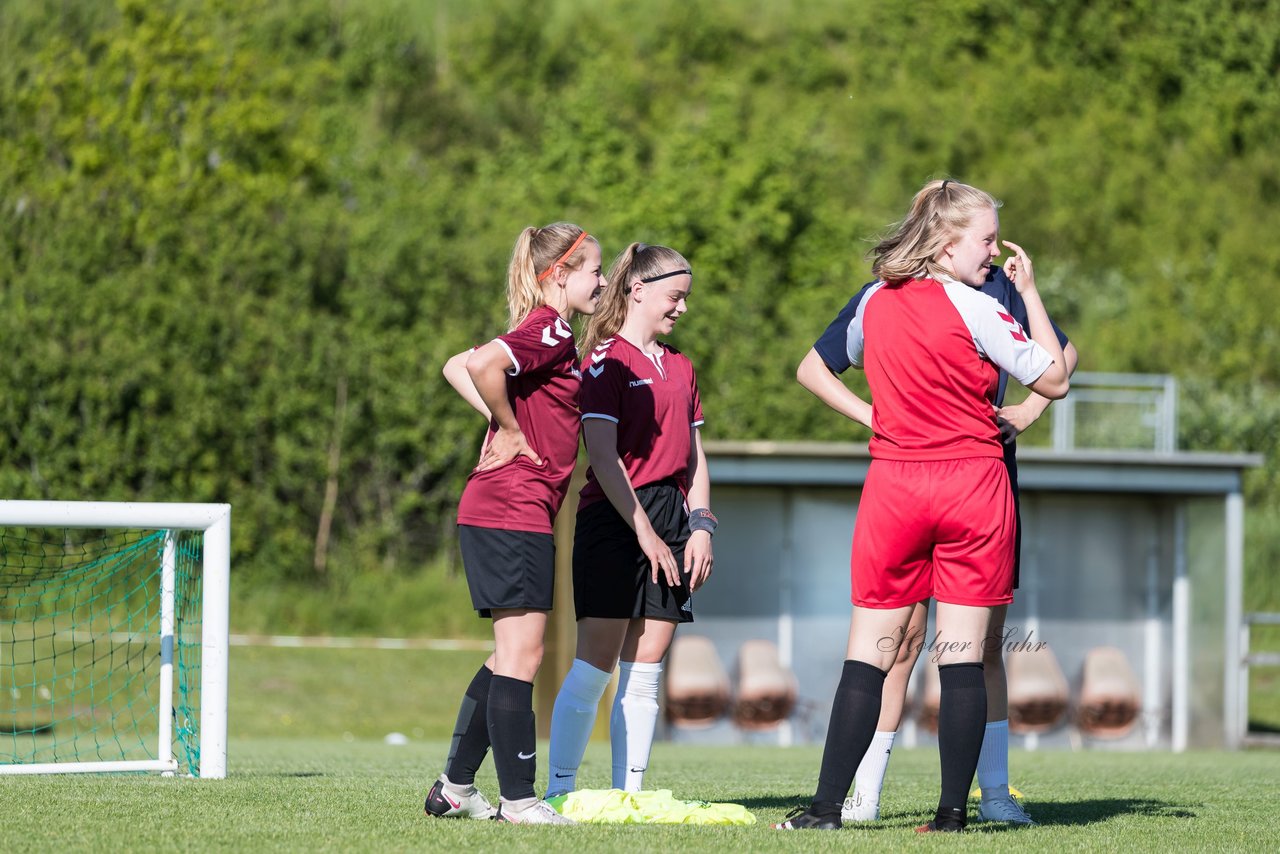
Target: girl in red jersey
x: 936, y: 517
x: 526, y: 383
x: 638, y: 554
x: 818, y: 373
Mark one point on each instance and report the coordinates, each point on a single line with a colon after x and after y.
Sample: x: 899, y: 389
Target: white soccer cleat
x: 447, y: 800
x: 860, y: 807
x: 1005, y: 809
x: 530, y: 811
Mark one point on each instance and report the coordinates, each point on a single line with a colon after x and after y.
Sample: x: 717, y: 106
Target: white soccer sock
x: 634, y: 718
x: 572, y: 719
x: 993, y: 761
x: 869, y: 779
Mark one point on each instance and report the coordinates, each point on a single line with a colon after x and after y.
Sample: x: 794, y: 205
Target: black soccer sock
x: 512, y: 733
x: 962, y: 721
x: 471, y: 732
x: 854, y: 713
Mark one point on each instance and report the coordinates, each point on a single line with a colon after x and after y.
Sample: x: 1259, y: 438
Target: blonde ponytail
x: 536, y: 252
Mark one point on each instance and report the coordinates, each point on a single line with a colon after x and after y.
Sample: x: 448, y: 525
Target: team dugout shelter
x: 1132, y: 568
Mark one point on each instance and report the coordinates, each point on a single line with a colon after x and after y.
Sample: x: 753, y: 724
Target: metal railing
x: 1105, y: 411
x: 1255, y: 659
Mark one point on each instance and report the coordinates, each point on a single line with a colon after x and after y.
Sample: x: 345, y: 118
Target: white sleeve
x: 855, y: 338
x: 998, y: 336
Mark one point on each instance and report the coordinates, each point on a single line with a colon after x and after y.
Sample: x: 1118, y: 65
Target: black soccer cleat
x: 803, y: 818
x: 946, y: 820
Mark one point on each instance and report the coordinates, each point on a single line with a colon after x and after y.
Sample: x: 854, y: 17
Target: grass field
x: 309, y: 795
x: 309, y: 772
x: 346, y: 693
x: 324, y: 693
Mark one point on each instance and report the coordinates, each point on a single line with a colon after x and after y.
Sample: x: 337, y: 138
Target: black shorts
x: 1011, y: 464
x: 612, y: 578
x: 508, y: 569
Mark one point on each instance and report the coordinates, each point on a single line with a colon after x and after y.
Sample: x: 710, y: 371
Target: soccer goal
x: 113, y: 637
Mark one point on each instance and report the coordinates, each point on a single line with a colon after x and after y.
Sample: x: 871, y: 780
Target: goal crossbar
x: 214, y: 522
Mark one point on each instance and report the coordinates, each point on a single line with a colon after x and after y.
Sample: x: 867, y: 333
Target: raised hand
x: 1018, y: 268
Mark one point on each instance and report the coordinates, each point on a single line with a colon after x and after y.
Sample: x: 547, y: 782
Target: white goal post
x: 213, y: 522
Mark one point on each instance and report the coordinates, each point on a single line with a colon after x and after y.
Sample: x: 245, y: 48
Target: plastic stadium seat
x: 697, y: 684
x: 1109, y: 697
x: 1038, y: 691
x: 766, y: 691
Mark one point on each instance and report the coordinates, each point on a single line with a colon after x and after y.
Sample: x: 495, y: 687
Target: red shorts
x: 941, y: 528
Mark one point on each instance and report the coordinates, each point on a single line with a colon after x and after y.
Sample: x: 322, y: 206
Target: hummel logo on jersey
x: 598, y: 355
x: 635, y: 383
x: 561, y: 330
x: 1016, y: 331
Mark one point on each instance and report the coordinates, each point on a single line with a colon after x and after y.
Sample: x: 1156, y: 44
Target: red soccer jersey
x: 930, y: 350
x: 653, y: 400
x: 543, y: 391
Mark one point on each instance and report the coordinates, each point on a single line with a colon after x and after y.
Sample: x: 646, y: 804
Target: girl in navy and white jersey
x: 936, y: 517
x: 526, y: 383
x: 639, y: 553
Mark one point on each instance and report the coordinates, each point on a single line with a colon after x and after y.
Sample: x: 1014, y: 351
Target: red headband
x: 547, y: 272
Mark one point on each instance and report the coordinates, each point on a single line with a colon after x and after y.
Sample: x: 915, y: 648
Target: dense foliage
x: 241, y: 237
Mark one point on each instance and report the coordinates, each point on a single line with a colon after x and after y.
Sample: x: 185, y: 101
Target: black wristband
x: 703, y: 519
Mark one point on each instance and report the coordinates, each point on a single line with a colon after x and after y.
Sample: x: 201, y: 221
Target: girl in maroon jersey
x: 526, y: 384
x: 638, y: 553
x: 936, y: 517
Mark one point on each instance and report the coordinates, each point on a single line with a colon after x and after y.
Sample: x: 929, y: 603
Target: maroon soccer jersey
x: 930, y: 350
x: 653, y: 400
x: 543, y: 391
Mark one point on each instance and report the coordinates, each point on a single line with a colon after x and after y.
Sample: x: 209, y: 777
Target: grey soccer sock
x: 471, y: 732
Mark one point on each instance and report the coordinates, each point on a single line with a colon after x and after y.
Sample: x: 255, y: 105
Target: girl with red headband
x: 638, y: 552
x: 526, y: 384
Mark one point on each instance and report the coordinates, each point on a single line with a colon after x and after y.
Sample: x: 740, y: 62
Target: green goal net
x: 102, y: 644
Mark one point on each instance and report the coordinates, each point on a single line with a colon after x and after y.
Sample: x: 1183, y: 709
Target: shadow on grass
x: 783, y: 802
x: 1092, y: 812
x: 1063, y: 814
x: 783, y: 805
